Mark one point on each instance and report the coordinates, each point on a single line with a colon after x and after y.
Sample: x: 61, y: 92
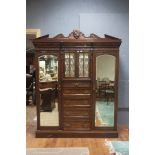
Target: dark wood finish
x: 116, y: 55
x: 29, y: 87
x: 76, y: 95
x: 76, y: 134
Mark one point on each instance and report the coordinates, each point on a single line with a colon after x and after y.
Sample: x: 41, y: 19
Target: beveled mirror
x: 48, y: 78
x: 105, y: 91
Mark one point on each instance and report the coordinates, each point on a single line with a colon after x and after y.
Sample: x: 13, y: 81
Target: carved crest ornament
x: 77, y: 34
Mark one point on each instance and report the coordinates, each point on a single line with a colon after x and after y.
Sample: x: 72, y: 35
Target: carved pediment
x: 77, y: 34
x: 94, y: 36
x: 59, y: 36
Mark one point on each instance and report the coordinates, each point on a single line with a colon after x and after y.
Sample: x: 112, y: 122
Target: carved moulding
x: 76, y: 34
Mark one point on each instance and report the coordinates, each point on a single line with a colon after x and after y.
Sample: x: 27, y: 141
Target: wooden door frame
x: 37, y: 55
x: 114, y: 53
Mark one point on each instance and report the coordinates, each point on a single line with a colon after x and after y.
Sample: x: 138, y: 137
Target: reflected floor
x: 50, y: 118
x: 104, y: 113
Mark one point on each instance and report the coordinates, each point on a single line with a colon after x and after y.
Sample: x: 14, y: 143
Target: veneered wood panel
x: 77, y: 125
x: 76, y: 91
x: 76, y: 84
x: 76, y: 111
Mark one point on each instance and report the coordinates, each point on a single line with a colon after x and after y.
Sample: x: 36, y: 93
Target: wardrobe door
x: 47, y: 91
x: 104, y: 89
x: 76, y: 91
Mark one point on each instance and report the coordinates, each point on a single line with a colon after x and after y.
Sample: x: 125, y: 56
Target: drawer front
x: 76, y: 91
x: 73, y: 112
x: 76, y: 101
x: 76, y: 84
x: 77, y: 125
x: 76, y: 119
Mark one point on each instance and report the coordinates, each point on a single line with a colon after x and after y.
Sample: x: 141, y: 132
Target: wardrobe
x: 77, y: 85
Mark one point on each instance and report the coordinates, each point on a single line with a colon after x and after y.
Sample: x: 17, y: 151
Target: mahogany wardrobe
x: 77, y: 85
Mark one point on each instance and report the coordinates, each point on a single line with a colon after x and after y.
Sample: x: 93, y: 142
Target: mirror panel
x: 49, y: 114
x: 48, y: 90
x: 48, y: 68
x: 105, y: 91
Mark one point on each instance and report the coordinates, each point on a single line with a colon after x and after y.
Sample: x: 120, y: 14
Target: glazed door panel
x: 76, y: 91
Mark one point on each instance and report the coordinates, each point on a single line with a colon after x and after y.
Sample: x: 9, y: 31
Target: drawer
x: 76, y: 84
x: 77, y: 112
x: 76, y: 91
x: 77, y: 125
x: 77, y: 119
x: 76, y: 101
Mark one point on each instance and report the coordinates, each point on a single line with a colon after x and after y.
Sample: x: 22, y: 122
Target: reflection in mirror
x: 49, y: 114
x: 48, y: 72
x: 48, y: 68
x: 105, y: 86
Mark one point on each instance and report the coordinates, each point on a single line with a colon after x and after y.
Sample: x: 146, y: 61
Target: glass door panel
x: 69, y: 64
x: 83, y: 65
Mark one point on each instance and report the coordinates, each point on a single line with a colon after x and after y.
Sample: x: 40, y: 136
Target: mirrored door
x: 105, y: 90
x: 48, y: 90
